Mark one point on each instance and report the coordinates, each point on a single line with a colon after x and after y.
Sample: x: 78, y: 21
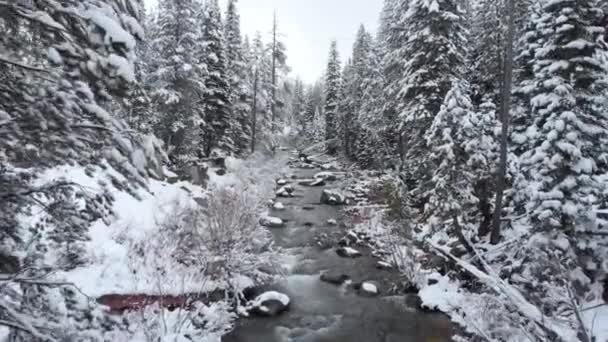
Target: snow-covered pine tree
x: 240, y: 91
x: 259, y: 70
x: 451, y: 193
x: 309, y: 114
x: 570, y: 112
x: 392, y: 39
x: 531, y: 39
x: 353, y: 78
x: 62, y: 64
x: 345, y: 118
x: 217, y: 137
x: 486, y: 55
x: 177, y: 79
x: 435, y: 50
x: 372, y: 145
x: 332, y: 93
x: 298, y: 106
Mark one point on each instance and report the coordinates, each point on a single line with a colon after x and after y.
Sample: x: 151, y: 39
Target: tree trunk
x: 274, y: 73
x: 254, y: 118
x: 505, y: 118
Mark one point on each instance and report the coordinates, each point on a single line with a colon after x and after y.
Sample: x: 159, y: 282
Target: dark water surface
x: 322, y: 312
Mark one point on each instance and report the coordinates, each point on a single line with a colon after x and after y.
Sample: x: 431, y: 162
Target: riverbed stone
x: 272, y: 222
x: 332, y: 197
x: 369, y: 288
x: 334, y: 278
x: 270, y: 304
x: 348, y: 252
x: 327, y: 176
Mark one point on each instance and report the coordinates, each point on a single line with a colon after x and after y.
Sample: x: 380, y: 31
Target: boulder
x: 307, y: 166
x: 312, y: 182
x: 278, y: 206
x: 285, y: 191
x: 221, y: 172
x: 332, y: 197
x: 332, y: 222
x: 369, y: 289
x: 349, y: 239
x: 269, y: 304
x: 334, y: 278
x: 282, y: 182
x: 347, y: 252
x: 327, y: 176
x: 271, y: 222
x: 383, y: 265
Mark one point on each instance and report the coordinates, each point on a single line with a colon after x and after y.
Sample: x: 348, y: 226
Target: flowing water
x: 322, y: 312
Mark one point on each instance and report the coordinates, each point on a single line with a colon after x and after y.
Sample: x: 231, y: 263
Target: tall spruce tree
x: 332, y: 93
x: 239, y: 92
x: 176, y: 81
x: 216, y: 100
x: 436, y: 58
x: 570, y: 114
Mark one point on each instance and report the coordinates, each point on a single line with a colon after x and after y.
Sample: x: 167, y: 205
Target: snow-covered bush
x: 204, y: 323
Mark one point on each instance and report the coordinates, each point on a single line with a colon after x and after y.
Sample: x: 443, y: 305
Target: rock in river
x: 270, y: 304
x: 332, y: 197
x: 327, y: 176
x: 278, y: 206
x: 286, y: 191
x: 334, y: 278
x: 347, y: 252
x: 369, y: 289
x: 271, y: 222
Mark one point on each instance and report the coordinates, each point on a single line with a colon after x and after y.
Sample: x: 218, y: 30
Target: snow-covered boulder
x: 271, y: 222
x: 329, y: 166
x: 312, y: 182
x: 369, y: 289
x: 383, y: 265
x: 327, y: 176
x: 307, y: 166
x: 286, y: 191
x: 278, y: 206
x: 348, y: 252
x: 270, y: 304
x: 351, y: 238
x: 332, y: 197
x: 334, y: 278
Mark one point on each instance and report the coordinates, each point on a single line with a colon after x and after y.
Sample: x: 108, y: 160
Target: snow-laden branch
x: 494, y: 282
x: 6, y: 60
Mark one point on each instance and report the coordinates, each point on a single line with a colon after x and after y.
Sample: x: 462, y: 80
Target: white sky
x: 308, y: 27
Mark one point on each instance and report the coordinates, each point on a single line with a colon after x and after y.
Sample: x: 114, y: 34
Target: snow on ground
x: 114, y: 263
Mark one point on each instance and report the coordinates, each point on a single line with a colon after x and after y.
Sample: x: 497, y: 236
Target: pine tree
x: 436, y: 58
x: 372, y: 146
x: 452, y: 194
x: 216, y: 100
x: 63, y: 64
x: 570, y: 113
x: 353, y: 79
x: 298, y: 106
x: 332, y: 92
x: 176, y: 82
x: 486, y: 56
x: 240, y: 92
